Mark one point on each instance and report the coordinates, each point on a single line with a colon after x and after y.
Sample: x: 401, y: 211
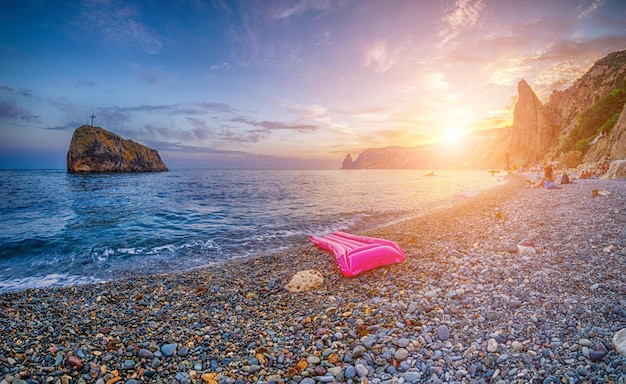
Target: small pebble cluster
x: 515, y: 285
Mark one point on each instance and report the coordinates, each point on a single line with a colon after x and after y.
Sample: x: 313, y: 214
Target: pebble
x: 145, y: 354
x: 596, y: 354
x: 169, y: 349
x: 517, y: 346
x: 443, y: 333
x: 510, y: 248
x: 401, y: 354
x: 492, y: 345
x: 492, y: 315
x: 411, y: 377
x: 501, y: 358
x: 184, y: 351
x: 350, y: 372
x: 361, y: 370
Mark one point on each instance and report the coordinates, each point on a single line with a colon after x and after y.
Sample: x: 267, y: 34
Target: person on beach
x: 547, y: 181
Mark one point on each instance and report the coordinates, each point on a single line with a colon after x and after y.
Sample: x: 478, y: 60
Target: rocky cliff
x: 583, y: 123
x: 95, y: 149
x: 533, y: 133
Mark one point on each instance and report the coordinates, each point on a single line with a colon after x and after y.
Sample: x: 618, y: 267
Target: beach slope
x: 514, y: 285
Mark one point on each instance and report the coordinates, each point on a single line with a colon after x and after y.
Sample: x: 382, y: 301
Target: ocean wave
x: 9, y: 284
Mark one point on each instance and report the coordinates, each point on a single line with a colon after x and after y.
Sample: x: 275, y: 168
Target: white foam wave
x: 45, y: 281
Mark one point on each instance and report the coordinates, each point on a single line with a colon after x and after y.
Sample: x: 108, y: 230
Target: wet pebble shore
x: 515, y: 285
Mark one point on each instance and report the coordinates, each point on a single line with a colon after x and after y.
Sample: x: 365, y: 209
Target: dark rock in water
x: 95, y: 149
x: 347, y: 162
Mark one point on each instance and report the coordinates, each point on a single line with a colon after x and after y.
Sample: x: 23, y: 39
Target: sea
x: 59, y: 229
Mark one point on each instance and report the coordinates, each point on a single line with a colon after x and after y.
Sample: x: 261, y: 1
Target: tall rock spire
x: 533, y: 134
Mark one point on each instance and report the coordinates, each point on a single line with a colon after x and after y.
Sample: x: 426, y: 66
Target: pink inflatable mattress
x: 356, y: 254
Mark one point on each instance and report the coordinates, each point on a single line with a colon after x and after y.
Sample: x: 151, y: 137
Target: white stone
x: 304, y: 281
x: 517, y: 346
x: 526, y: 251
x: 492, y: 345
x: 619, y: 341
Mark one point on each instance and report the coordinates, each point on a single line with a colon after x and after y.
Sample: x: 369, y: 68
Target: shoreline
x: 80, y: 235
x: 462, y: 308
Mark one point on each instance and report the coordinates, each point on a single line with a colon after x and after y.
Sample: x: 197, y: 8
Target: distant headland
x: 93, y: 149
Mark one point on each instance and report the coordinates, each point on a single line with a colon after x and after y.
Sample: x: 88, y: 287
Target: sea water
x: 66, y: 229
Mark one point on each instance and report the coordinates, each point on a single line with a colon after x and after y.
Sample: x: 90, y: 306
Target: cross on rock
x: 92, y: 117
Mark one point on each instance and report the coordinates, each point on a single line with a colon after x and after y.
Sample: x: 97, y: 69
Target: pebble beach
x: 514, y: 285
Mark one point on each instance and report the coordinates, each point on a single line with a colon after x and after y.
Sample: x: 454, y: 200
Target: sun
x: 451, y: 135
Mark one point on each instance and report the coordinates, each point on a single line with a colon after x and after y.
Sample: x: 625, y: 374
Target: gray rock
x: 596, y: 354
x: 184, y: 351
x: 358, y: 351
x: 350, y: 372
x: 254, y: 368
x: 492, y: 315
x: 443, y: 333
x: 401, y: 354
x: 361, y: 370
x: 145, y: 354
x: 169, y: 349
x: 412, y: 377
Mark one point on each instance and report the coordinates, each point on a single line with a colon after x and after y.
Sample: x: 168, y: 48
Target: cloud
x: 10, y: 111
x: 180, y: 109
x: 119, y: 24
x: 289, y: 9
x: 66, y: 127
x: 178, y: 155
x: 379, y: 57
x: 463, y: 14
x: 154, y: 75
x: 436, y: 81
x: 225, y: 66
x: 276, y: 33
x: 201, y: 131
x: 23, y: 92
x: 221, y: 67
x: 585, y: 10
x: 86, y: 84
x: 276, y: 125
x: 312, y: 111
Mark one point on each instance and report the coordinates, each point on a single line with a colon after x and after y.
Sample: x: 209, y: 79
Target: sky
x: 282, y: 83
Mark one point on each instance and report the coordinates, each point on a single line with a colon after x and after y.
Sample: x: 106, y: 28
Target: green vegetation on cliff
x: 599, y: 118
